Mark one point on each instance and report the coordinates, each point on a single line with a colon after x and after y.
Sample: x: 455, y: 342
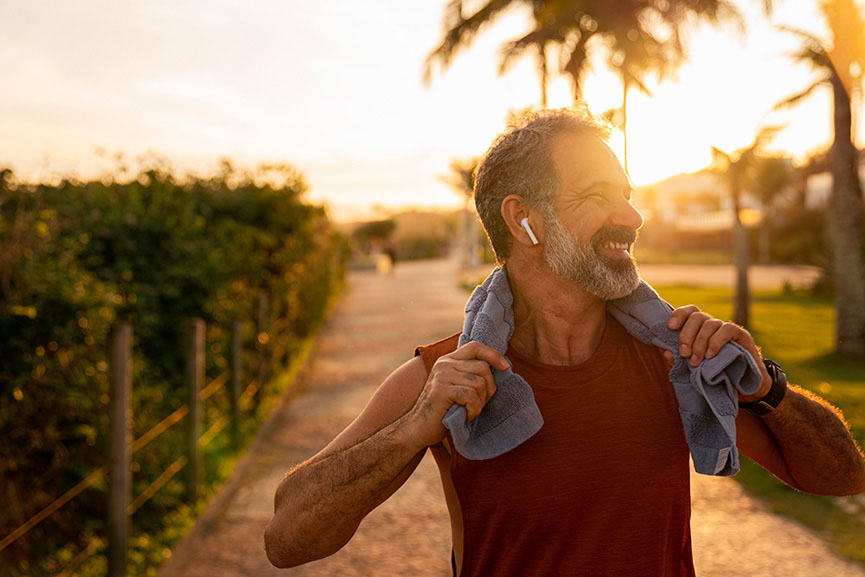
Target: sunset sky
x: 335, y: 88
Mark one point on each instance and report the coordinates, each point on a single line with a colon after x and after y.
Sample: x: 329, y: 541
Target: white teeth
x: 616, y: 245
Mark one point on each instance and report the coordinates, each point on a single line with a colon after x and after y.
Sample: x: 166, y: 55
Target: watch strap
x: 775, y: 395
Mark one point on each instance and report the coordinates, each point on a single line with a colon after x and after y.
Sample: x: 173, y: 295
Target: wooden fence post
x: 194, y: 351
x: 236, y: 378
x: 119, y: 456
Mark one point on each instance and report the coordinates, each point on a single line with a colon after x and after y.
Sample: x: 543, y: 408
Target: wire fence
x: 118, y: 468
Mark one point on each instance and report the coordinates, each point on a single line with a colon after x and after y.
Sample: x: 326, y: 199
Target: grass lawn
x: 649, y: 255
x: 797, y: 331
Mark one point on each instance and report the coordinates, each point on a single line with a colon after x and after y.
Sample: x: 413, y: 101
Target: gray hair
x: 518, y: 162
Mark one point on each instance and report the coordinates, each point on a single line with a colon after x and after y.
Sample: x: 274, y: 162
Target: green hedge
x: 76, y: 257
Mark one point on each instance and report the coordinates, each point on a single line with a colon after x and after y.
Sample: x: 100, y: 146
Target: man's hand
x: 463, y: 377
x: 702, y: 337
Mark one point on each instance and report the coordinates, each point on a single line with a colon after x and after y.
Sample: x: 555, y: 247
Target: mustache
x: 612, y: 233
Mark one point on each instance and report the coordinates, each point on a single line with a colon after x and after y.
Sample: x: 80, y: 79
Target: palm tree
x: 462, y: 179
x: 460, y: 30
x: 635, y: 55
x: 737, y: 169
x: 539, y: 40
x: 642, y: 38
x: 772, y: 176
x: 840, y: 67
x: 638, y: 37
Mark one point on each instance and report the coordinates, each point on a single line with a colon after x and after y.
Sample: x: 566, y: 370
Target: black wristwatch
x: 775, y: 395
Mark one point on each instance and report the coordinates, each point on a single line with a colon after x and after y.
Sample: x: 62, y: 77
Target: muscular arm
x: 806, y: 443
x: 320, y: 504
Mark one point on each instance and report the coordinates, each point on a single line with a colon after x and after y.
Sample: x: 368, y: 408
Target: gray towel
x: 511, y: 415
x: 707, y: 394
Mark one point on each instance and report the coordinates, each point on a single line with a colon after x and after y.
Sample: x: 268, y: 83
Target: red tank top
x: 602, y: 490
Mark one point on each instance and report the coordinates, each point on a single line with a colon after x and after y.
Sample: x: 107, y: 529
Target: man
x: 602, y: 488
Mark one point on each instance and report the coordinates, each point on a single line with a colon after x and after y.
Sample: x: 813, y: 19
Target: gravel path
x: 373, y: 330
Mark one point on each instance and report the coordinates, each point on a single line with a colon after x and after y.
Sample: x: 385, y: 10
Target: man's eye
x: 598, y: 197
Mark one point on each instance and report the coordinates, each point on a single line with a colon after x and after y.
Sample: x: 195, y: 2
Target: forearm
x: 320, y: 504
x: 819, y: 452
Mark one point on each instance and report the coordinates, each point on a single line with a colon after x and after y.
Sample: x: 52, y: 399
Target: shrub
x: 76, y: 257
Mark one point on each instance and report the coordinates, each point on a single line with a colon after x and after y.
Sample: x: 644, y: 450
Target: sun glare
x: 350, y: 109
x: 721, y: 97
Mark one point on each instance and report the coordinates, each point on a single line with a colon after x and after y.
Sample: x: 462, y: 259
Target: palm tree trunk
x: 741, y: 257
x: 625, y: 87
x: 765, y: 236
x: 845, y: 226
x: 465, y: 249
x: 542, y: 61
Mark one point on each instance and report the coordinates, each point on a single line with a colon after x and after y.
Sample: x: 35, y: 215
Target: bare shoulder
x: 396, y: 395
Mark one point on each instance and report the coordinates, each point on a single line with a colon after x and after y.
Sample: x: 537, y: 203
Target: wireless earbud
x: 527, y: 226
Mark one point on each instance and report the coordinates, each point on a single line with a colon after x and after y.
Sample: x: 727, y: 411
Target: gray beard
x: 581, y: 264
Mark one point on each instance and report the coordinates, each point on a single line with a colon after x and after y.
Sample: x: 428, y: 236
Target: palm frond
x: 633, y: 79
x: 511, y: 51
x: 614, y: 115
x: 812, y: 51
x: 576, y: 62
x: 764, y: 136
x: 713, y: 11
x: 720, y: 159
x: 800, y: 96
x: 728, y: 13
x: 460, y: 31
x: 802, y: 34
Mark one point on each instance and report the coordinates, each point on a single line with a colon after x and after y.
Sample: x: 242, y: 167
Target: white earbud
x: 527, y: 226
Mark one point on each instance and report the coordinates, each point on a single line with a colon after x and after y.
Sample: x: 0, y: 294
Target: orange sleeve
x: 430, y: 353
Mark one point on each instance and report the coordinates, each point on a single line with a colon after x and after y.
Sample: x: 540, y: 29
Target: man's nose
x: 627, y: 215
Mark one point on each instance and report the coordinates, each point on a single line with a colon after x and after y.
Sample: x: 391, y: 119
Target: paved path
x: 374, y: 329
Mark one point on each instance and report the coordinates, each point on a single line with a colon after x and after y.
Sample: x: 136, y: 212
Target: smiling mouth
x: 617, y: 246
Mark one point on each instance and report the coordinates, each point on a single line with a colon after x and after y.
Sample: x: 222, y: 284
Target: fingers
x: 669, y: 358
x: 464, y: 377
x: 448, y: 386
x: 691, y: 320
x: 470, y: 399
x: 707, y: 330
x: 476, y: 350
x: 680, y: 315
x: 702, y: 336
x: 475, y: 379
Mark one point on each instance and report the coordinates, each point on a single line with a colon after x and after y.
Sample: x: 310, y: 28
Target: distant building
x: 818, y: 188
x: 697, y: 201
x: 700, y: 201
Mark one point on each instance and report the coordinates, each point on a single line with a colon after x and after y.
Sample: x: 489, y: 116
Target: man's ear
x: 524, y: 224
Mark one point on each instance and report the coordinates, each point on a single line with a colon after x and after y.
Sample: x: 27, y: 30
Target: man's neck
x: 556, y: 321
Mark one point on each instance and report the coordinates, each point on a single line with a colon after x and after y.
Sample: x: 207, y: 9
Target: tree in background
x: 462, y: 179
x: 374, y: 237
x: 644, y: 39
x: 540, y: 41
x: 816, y: 163
x: 840, y: 64
x: 637, y: 37
x: 773, y: 175
x: 737, y: 169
